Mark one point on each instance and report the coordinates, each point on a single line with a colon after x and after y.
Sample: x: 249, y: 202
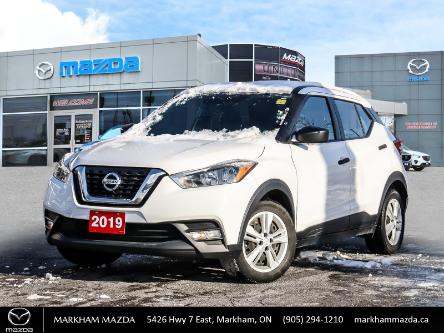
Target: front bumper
x: 161, y: 239
x: 168, y: 203
x: 420, y: 162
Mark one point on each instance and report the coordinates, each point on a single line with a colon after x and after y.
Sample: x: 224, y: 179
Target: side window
x: 350, y: 120
x: 366, y: 121
x: 316, y: 112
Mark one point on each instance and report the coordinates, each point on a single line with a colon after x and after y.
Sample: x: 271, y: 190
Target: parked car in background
x: 415, y: 159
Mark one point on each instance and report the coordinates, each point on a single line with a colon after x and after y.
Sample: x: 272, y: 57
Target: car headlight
x: 224, y: 173
x: 62, y: 169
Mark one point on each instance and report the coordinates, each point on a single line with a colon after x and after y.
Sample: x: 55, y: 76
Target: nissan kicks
x: 245, y: 173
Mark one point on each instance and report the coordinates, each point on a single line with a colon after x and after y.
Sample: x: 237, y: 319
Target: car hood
x: 170, y: 154
x: 414, y: 152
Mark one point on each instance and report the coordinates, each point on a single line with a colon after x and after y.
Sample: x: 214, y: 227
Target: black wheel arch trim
x: 261, y: 192
x: 396, y: 176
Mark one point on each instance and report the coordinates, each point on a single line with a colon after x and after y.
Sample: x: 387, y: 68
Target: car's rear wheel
x: 87, y: 258
x: 268, y: 243
x: 418, y: 168
x: 389, y: 232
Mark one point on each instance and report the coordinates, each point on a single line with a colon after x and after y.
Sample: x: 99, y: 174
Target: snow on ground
x: 340, y: 259
x: 321, y: 277
x: 34, y: 297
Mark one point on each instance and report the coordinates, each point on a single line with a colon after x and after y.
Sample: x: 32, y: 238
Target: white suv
x: 242, y: 172
x: 415, y: 159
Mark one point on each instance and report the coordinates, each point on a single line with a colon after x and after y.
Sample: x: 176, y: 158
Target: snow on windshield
x: 143, y: 128
x: 249, y: 134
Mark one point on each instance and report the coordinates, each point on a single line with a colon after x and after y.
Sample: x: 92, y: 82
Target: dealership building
x: 414, y: 78
x: 53, y: 100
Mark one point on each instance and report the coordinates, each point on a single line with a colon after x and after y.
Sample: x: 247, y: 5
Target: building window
x: 129, y: 107
x: 266, y: 53
x: 222, y: 49
x: 111, y: 118
x: 24, y: 130
x: 24, y: 133
x: 24, y: 157
x: 241, y: 71
x: 241, y: 51
x: 25, y: 104
x: 158, y: 97
x: 124, y: 99
x: 147, y: 111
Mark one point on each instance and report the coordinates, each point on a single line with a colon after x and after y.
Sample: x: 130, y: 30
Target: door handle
x: 343, y: 160
x: 381, y: 147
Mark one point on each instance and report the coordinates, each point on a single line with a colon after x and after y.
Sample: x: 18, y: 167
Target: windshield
x: 220, y: 112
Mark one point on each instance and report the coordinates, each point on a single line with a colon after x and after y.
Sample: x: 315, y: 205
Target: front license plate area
x: 106, y: 222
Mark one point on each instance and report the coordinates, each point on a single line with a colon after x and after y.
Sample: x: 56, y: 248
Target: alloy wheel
x: 265, y: 241
x: 393, y: 221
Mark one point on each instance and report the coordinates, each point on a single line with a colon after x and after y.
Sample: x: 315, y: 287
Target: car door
x: 367, y: 148
x: 323, y: 173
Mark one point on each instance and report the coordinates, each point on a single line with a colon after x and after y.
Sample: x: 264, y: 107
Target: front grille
x: 132, y: 179
x: 134, y: 232
x: 426, y: 158
x: 406, y: 157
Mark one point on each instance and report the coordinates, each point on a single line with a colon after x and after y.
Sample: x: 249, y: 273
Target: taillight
x: 398, y: 145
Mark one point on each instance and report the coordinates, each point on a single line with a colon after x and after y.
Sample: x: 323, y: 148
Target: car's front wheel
x: 87, y: 258
x: 389, y: 232
x: 268, y: 243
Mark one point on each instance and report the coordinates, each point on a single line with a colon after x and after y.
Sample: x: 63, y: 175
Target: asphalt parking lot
x: 33, y: 273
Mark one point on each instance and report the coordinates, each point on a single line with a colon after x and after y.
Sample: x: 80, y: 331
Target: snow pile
x: 76, y: 299
x: 51, y: 278
x: 252, y: 133
x: 104, y: 297
x: 411, y: 292
x: 339, y: 259
x: 36, y: 297
x: 357, y: 264
x: 143, y: 128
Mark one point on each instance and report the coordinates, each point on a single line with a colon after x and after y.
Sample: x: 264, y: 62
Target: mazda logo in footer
x: 44, y: 70
x: 19, y: 316
x: 111, y: 181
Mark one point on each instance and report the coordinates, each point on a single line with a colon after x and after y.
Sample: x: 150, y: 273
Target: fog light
x: 204, y: 235
x: 50, y: 219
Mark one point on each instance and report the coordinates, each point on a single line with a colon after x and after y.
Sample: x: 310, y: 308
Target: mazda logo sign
x: 44, y: 70
x: 19, y: 316
x: 418, y: 66
x: 111, y: 181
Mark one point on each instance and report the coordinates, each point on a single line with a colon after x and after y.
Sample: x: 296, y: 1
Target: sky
x: 319, y: 29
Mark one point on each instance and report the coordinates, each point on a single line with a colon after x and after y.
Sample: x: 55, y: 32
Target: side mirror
x: 310, y: 134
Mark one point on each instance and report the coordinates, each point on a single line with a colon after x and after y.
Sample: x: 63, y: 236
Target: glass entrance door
x: 71, y: 130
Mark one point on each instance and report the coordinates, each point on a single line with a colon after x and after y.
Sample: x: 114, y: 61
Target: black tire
x: 87, y: 258
x: 379, y: 242
x: 418, y: 168
x: 244, y: 269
